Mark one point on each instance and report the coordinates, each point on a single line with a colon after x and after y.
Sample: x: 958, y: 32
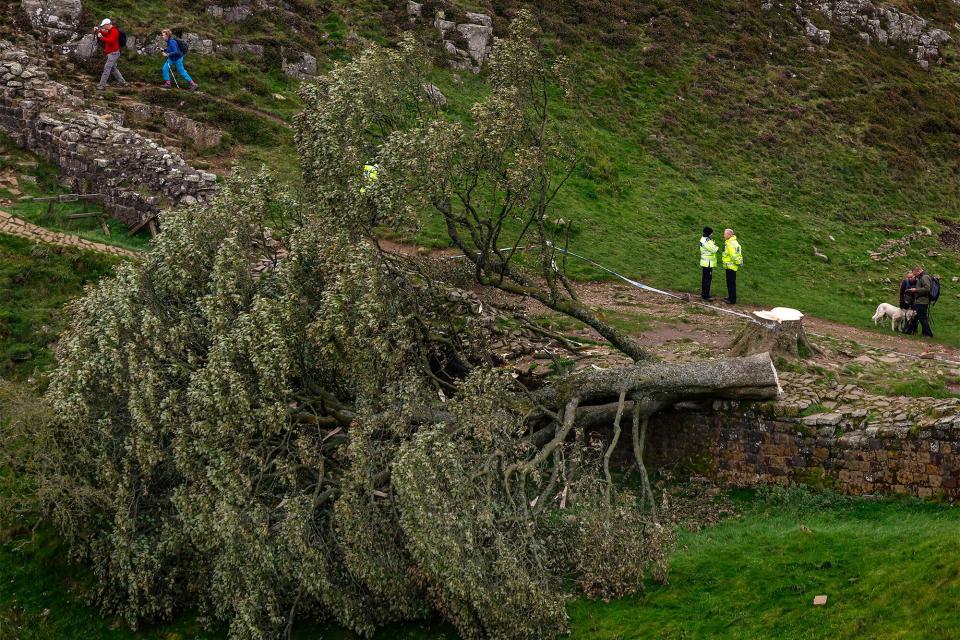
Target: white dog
x: 898, y: 317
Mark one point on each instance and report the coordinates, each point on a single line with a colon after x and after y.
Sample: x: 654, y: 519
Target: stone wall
x: 744, y: 446
x: 94, y: 151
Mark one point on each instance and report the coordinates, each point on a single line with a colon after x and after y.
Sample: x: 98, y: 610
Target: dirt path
x: 669, y: 320
x: 674, y: 320
x: 14, y: 226
x: 254, y: 111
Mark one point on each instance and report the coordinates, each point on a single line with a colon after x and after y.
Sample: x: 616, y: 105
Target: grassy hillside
x: 691, y: 113
x: 36, y: 282
x: 718, y: 113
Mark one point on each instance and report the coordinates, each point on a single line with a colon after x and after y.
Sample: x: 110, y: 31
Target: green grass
x: 38, y: 178
x: 790, y: 149
x: 890, y: 570
x: 36, y: 281
x: 683, y: 122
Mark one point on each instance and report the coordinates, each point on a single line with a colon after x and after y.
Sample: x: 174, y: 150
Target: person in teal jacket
x: 174, y: 55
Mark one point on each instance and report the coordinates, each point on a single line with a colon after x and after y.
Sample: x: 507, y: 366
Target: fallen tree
x: 328, y: 437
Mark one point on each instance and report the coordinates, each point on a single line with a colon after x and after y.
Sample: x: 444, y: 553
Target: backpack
x: 934, y: 289
x: 123, y: 38
x: 183, y: 46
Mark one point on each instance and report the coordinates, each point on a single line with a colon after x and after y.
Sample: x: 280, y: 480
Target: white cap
x: 105, y: 22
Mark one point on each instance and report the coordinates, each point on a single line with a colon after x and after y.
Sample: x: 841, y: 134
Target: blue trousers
x: 179, y: 65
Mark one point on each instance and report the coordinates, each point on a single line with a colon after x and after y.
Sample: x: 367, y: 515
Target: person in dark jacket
x: 109, y: 35
x: 908, y: 282
x: 906, y: 303
x: 174, y: 59
x: 920, y: 295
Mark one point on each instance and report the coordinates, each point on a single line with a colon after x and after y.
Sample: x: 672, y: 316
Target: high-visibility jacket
x: 371, y: 173
x: 708, y: 252
x: 732, y: 255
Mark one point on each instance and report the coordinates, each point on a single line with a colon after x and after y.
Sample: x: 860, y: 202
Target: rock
x: 230, y: 14
x: 478, y: 40
x: 435, y: 95
x: 481, y: 19
x: 821, y: 36
x: 306, y: 65
x: 444, y: 26
x: 253, y: 50
x: 82, y: 49
x: 198, y: 44
x: 880, y: 24
x: 414, y: 9
x: 56, y: 20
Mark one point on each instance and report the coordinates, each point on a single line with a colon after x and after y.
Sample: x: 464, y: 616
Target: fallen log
x: 657, y: 385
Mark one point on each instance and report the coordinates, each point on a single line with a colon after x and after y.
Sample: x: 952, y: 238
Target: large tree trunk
x: 785, y: 339
x: 658, y: 385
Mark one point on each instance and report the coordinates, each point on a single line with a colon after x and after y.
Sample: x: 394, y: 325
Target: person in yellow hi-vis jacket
x: 371, y: 173
x: 708, y: 262
x: 732, y: 261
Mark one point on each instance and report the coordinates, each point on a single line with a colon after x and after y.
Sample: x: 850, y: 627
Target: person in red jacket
x: 110, y: 36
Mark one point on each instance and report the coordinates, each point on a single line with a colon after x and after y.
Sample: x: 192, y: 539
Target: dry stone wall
x: 861, y: 446
x: 94, y: 151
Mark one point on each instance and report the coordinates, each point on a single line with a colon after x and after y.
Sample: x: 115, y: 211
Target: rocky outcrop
x: 875, y: 24
x: 83, y: 48
x: 58, y: 20
x: 468, y: 44
x: 245, y: 49
x: 302, y: 65
x: 230, y: 14
x: 198, y: 44
x: 93, y: 150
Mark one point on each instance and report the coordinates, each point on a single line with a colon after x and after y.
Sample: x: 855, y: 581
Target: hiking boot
x: 729, y: 301
x: 193, y: 86
x: 166, y: 85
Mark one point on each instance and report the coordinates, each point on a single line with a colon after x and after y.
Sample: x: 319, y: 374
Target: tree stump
x: 778, y: 332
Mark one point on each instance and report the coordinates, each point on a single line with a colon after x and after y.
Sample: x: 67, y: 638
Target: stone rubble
x: 94, y: 151
x: 897, y: 247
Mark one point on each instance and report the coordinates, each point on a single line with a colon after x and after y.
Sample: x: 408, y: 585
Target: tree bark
x: 658, y: 385
x: 785, y: 339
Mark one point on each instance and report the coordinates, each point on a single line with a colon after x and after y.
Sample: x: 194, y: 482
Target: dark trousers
x: 705, y: 282
x: 731, y: 285
x: 923, y: 319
